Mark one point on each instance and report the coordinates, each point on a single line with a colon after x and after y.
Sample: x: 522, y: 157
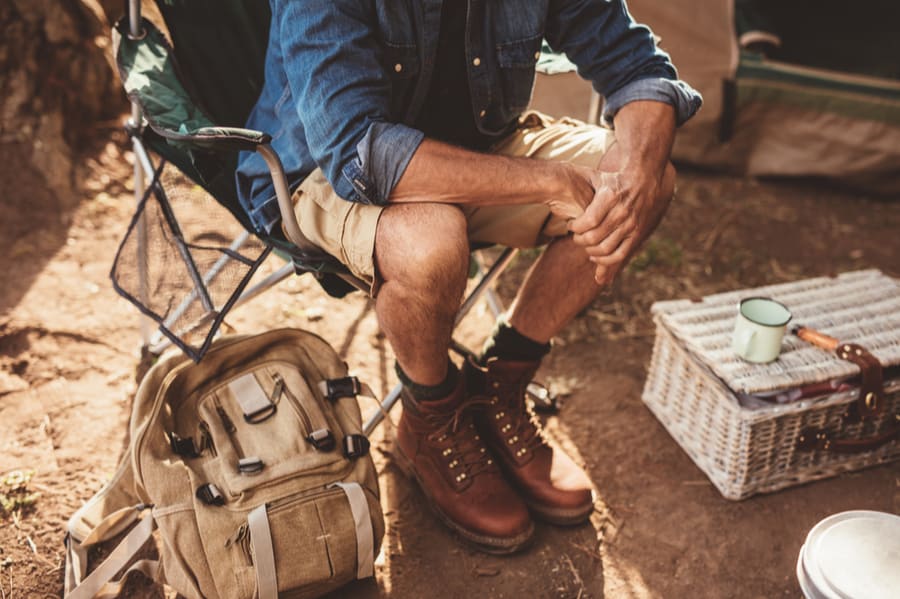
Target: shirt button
x: 398, y: 67
x: 482, y: 113
x: 477, y: 61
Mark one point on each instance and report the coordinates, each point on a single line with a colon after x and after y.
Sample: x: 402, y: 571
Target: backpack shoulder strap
x: 100, y: 582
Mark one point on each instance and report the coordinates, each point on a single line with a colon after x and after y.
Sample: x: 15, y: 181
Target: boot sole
x: 551, y: 515
x: 486, y: 544
x: 559, y: 516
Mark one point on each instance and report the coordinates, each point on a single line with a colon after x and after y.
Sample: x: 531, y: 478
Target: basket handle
x: 812, y: 439
x: 870, y: 401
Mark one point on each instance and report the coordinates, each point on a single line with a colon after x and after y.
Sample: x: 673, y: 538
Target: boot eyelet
x: 494, y: 400
x: 446, y: 452
x: 495, y: 385
x: 461, y: 477
x: 499, y: 415
x: 490, y: 461
x: 521, y: 452
x: 454, y: 463
x: 506, y: 428
x: 512, y: 439
x: 482, y: 450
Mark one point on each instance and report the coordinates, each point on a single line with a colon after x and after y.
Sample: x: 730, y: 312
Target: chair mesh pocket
x: 184, y: 272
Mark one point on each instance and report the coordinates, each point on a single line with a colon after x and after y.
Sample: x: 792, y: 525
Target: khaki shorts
x: 346, y: 230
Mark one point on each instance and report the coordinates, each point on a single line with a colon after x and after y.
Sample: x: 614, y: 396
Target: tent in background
x: 820, y: 99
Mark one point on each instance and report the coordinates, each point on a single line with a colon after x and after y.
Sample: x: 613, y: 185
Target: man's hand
x: 633, y: 186
x: 576, y: 190
x: 627, y: 207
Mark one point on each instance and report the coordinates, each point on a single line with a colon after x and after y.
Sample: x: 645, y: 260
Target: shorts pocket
x: 322, y: 214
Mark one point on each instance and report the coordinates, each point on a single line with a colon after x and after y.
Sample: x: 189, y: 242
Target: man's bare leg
x: 422, y: 257
x: 561, y: 282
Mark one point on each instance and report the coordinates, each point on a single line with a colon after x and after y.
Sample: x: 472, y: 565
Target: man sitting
x: 401, y: 128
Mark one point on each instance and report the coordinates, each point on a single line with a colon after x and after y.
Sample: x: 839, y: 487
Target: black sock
x: 509, y: 344
x: 430, y: 392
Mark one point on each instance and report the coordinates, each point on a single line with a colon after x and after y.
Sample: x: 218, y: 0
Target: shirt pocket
x: 516, y: 61
x: 402, y: 65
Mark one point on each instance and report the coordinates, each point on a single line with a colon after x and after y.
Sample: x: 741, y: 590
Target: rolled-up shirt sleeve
x: 342, y: 95
x: 618, y: 56
x: 671, y: 91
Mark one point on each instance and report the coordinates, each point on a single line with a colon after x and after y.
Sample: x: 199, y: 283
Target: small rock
x: 314, y: 313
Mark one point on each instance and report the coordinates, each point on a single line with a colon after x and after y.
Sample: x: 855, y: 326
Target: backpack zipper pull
x: 278, y: 389
x: 206, y: 440
x: 237, y: 536
x: 223, y: 416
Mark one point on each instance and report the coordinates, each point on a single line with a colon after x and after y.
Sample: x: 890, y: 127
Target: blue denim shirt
x: 345, y: 79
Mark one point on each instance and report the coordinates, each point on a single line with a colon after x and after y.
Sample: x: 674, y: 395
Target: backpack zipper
x: 281, y: 389
x: 206, y: 440
x: 229, y: 427
x: 241, y: 538
x: 317, y: 431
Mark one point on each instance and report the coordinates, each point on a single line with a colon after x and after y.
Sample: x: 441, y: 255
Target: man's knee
x: 423, y: 245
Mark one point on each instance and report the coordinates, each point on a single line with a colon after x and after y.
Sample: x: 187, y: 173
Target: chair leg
x: 251, y: 292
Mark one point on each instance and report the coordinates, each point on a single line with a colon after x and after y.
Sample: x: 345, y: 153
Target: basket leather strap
x: 869, y: 403
x: 813, y: 439
x: 263, y: 552
x: 871, y: 390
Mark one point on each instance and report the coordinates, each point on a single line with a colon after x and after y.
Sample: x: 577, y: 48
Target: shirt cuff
x: 383, y: 155
x: 675, y: 92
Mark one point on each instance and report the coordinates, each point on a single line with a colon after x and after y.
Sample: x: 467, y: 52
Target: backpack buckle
x: 183, y: 446
x: 210, y: 494
x: 334, y: 389
x: 252, y: 465
x: 321, y: 439
x: 356, y: 446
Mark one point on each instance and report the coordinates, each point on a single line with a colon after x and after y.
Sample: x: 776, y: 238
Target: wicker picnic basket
x: 742, y: 423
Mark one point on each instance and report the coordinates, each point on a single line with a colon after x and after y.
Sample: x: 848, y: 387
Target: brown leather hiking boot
x: 437, y: 444
x: 553, y: 486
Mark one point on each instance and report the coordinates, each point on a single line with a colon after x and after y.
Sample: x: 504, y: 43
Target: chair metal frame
x: 144, y: 170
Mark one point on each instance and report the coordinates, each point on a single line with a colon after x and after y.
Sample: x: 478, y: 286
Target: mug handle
x: 743, y: 339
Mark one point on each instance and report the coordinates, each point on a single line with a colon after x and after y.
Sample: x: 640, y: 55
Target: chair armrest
x: 217, y: 138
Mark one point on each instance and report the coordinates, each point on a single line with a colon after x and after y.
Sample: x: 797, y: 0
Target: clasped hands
x: 610, y: 214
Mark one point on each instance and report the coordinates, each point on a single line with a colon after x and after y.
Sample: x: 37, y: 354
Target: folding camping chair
x: 189, y: 102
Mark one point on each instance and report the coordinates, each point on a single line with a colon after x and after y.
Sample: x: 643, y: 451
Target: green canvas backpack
x: 253, y: 468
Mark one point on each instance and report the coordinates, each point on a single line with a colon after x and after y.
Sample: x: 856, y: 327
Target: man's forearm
x: 439, y: 172
x: 645, y: 132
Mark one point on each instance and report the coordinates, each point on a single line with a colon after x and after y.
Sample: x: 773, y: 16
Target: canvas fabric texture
x: 308, y: 517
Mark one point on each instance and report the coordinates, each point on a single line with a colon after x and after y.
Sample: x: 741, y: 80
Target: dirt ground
x: 69, y: 356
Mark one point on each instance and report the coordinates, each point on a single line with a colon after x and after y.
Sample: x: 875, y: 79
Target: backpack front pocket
x: 276, y: 429
x: 314, y: 541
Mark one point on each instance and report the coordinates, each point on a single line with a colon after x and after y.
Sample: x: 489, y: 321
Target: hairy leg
x: 561, y: 282
x: 422, y: 258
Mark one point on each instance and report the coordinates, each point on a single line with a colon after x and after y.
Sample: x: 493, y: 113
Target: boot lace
x: 523, y: 425
x: 459, y: 442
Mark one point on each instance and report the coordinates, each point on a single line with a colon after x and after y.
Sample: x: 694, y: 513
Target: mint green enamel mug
x: 759, y: 328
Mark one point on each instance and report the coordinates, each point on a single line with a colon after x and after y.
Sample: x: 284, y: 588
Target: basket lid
x: 852, y: 555
x: 857, y: 307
